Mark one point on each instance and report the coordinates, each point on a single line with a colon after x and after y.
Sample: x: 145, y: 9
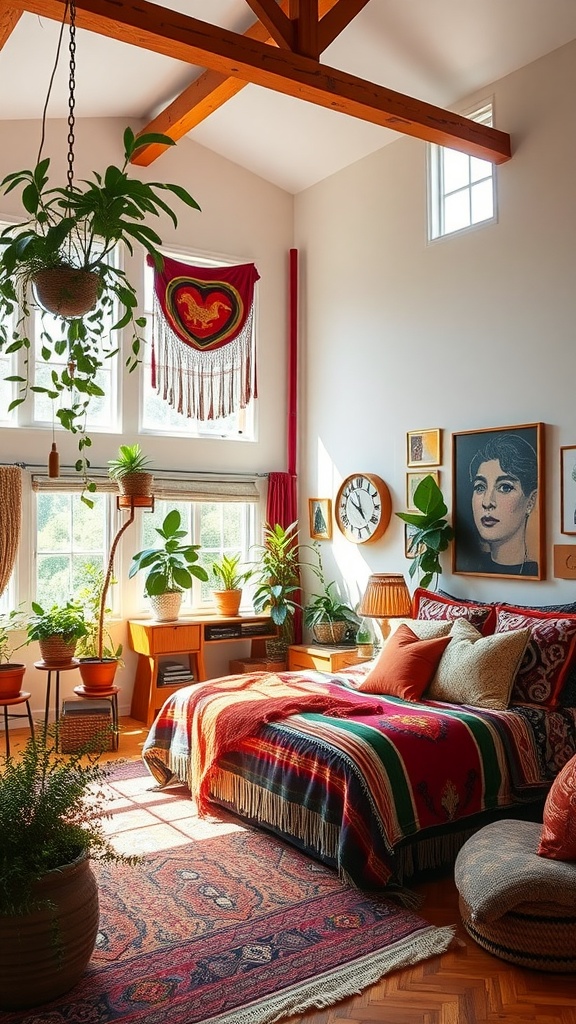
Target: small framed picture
x: 423, y: 448
x: 409, y: 551
x: 568, y: 489
x: 412, y: 481
x: 320, y: 512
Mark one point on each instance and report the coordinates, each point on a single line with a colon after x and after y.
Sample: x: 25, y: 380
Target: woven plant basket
x: 67, y: 291
x: 57, y: 651
x: 330, y: 632
x: 136, y: 484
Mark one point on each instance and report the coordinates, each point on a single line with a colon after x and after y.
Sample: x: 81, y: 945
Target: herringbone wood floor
x: 464, y: 986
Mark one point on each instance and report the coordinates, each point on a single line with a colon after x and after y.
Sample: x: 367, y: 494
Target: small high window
x: 461, y: 188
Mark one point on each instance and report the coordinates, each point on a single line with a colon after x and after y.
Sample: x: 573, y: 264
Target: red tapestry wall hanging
x: 203, y: 363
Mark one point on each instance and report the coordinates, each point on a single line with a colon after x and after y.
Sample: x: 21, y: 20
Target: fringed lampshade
x: 386, y: 597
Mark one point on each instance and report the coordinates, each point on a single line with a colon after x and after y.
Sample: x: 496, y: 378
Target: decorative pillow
x: 549, y: 655
x: 476, y: 669
x: 558, y: 839
x: 405, y: 665
x: 428, y: 605
x: 427, y: 629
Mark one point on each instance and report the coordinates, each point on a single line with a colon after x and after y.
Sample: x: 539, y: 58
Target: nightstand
x: 322, y: 657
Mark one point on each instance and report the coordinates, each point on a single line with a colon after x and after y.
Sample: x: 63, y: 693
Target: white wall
x: 243, y: 217
x: 469, y: 332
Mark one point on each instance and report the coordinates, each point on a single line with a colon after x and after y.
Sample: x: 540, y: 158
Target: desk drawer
x: 167, y: 639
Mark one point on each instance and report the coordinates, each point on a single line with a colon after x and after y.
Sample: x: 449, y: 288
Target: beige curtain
x: 10, y: 520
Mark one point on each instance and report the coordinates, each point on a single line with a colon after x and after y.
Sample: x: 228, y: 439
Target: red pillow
x: 549, y: 655
x: 558, y: 839
x: 405, y: 665
x: 428, y: 605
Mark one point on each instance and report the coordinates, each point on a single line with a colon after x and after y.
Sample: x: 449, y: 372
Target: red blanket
x: 222, y: 713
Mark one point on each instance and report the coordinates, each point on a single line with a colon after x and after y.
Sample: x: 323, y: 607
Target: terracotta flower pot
x: 11, y: 677
x: 45, y: 952
x: 227, y: 601
x: 98, y: 674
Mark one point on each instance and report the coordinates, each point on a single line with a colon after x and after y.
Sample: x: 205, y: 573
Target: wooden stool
x: 22, y: 698
x: 110, y: 694
x: 57, y: 669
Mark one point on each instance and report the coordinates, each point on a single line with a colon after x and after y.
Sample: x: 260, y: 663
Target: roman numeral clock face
x: 363, y: 507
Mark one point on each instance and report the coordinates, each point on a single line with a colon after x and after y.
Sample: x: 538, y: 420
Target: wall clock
x: 363, y: 507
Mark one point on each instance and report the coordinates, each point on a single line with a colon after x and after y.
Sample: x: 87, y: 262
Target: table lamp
x: 386, y: 597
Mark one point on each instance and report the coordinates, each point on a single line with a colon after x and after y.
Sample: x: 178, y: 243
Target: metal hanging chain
x: 71, y: 94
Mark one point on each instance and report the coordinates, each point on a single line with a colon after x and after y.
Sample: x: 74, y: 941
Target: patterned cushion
x: 558, y: 839
x: 428, y: 605
x: 549, y: 655
x: 405, y: 665
x: 476, y: 669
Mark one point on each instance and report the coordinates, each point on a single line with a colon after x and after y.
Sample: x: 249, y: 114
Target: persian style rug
x: 224, y: 924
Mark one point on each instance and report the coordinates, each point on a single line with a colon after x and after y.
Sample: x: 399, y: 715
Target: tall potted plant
x: 97, y: 670
x: 431, y: 531
x: 169, y: 569
x: 277, y: 576
x: 64, y: 246
x: 329, y: 618
x: 51, y: 809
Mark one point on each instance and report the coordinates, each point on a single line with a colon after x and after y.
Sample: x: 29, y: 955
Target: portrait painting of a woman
x: 498, y: 502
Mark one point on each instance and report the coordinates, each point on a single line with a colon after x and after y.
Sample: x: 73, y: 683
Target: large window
x: 69, y: 536
x: 461, y: 188
x: 157, y: 415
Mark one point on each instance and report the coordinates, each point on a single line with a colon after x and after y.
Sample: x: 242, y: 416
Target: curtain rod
x: 170, y: 472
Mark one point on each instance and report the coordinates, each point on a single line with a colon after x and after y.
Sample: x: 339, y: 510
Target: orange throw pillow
x: 405, y: 665
x: 558, y: 839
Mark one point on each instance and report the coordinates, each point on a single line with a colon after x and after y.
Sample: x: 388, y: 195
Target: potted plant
x: 277, y: 575
x: 364, y: 641
x: 57, y: 631
x: 64, y: 246
x: 431, y: 531
x: 228, y: 595
x: 329, y: 618
x: 51, y: 809
x: 129, y: 469
x: 170, y: 569
x: 96, y: 670
x: 11, y: 673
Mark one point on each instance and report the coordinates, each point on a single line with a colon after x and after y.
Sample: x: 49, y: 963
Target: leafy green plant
x: 90, y: 596
x: 51, y: 811
x: 277, y: 575
x: 66, y: 621
x: 9, y: 623
x: 172, y: 566
x: 328, y: 606
x: 130, y: 459
x: 364, y: 636
x: 228, y: 574
x: 432, y: 533
x: 78, y: 227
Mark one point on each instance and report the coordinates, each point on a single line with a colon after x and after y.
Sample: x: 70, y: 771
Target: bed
x: 378, y: 786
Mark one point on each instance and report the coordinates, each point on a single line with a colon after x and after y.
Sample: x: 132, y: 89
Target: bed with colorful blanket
x: 377, y: 785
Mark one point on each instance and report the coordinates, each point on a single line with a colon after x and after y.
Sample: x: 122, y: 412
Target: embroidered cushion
x: 405, y: 665
x: 478, y: 670
x: 549, y: 655
x: 428, y: 605
x: 558, y: 838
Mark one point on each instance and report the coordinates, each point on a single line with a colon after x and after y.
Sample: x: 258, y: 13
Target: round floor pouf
x: 517, y: 905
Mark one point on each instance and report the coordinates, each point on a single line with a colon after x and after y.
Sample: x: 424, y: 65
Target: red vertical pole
x: 293, y: 368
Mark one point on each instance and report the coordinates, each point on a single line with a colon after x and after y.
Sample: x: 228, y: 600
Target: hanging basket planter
x: 67, y: 291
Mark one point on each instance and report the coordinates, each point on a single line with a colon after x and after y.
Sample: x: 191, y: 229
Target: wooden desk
x: 322, y: 658
x: 154, y: 640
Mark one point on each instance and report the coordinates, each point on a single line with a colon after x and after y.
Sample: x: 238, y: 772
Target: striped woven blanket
x: 352, y: 790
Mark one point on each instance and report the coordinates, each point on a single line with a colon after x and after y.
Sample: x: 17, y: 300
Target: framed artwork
x: 423, y: 448
x: 498, y: 502
x: 409, y: 532
x: 568, y: 489
x: 320, y: 512
x: 412, y: 481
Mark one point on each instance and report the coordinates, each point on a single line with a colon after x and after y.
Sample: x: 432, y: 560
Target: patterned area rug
x: 223, y: 924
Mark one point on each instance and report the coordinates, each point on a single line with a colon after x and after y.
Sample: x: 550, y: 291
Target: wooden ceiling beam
x: 168, y: 32
x: 307, y: 29
x: 279, y: 27
x: 335, y: 20
x: 9, y: 18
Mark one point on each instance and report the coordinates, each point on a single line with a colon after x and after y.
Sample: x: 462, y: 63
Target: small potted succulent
x: 169, y: 569
x: 228, y: 595
x: 57, y: 631
x: 11, y: 673
x: 129, y: 470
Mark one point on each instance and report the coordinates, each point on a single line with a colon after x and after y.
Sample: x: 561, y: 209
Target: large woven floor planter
x: 44, y: 953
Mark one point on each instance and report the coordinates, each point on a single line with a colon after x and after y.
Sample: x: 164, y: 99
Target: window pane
x: 456, y: 170
x: 482, y: 202
x: 480, y: 169
x: 69, y: 534
x: 456, y: 212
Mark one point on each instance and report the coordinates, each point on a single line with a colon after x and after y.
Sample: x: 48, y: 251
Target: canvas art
x: 568, y: 489
x: 423, y: 447
x: 498, y: 502
x: 320, y: 513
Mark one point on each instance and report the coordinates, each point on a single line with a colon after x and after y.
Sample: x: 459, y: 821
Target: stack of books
x: 173, y: 673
